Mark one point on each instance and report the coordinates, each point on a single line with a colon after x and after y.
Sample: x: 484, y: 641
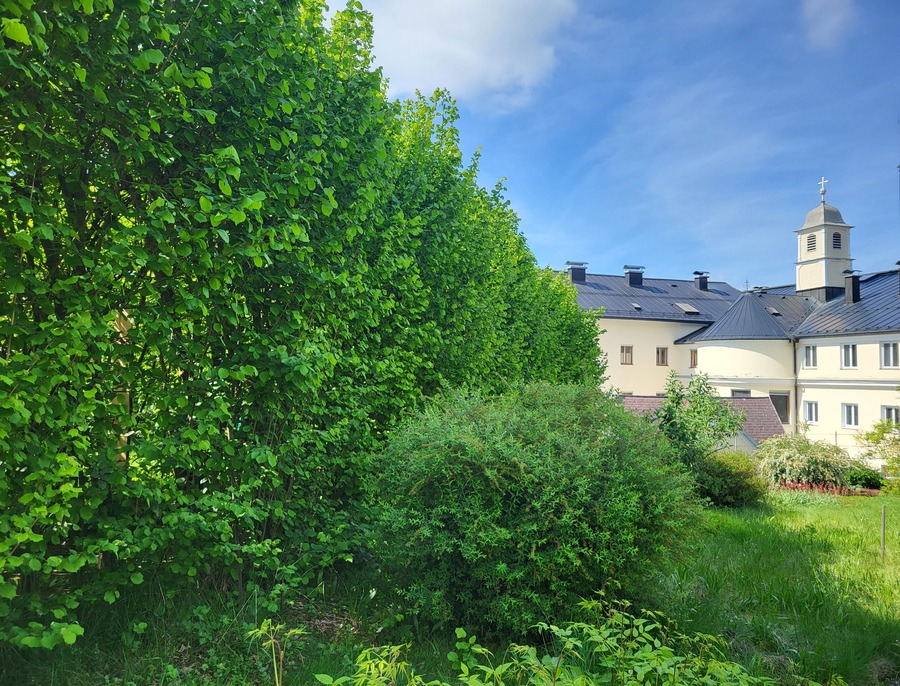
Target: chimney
x: 701, y: 281
x: 634, y: 275
x: 577, y: 271
x: 851, y: 286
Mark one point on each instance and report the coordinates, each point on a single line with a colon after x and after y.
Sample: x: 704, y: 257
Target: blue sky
x: 674, y: 134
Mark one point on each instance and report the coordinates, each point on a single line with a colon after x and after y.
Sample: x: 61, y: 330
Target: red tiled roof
x: 761, y: 421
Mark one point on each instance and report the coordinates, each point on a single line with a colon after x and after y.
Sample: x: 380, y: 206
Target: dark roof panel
x: 656, y: 298
x: 878, y: 309
x: 757, y: 316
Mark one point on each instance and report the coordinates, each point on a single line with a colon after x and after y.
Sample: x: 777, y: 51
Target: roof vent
x: 577, y: 271
x: 634, y: 275
x: 637, y: 306
x: 687, y: 309
x: 771, y: 310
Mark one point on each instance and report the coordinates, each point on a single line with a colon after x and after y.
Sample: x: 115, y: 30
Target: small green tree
x: 882, y: 442
x: 696, y: 419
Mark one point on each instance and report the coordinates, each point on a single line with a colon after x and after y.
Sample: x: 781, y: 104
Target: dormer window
x: 811, y: 243
x: 685, y: 308
x: 836, y: 240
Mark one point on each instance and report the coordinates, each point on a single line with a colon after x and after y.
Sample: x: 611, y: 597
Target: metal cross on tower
x: 822, y: 187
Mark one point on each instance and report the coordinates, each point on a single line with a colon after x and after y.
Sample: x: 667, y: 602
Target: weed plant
x: 797, y: 586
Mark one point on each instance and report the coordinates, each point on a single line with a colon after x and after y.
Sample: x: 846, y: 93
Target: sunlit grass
x: 797, y: 586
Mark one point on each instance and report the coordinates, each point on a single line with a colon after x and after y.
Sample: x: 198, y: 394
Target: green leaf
x: 70, y: 632
x: 137, y: 578
x: 154, y: 56
x: 324, y: 679
x: 8, y: 591
x: 80, y: 73
x: 224, y: 187
x: 205, y: 204
x: 16, y: 31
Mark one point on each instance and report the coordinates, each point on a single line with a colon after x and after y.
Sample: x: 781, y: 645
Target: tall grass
x: 797, y: 586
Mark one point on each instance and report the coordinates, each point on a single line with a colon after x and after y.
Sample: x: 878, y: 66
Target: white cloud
x: 827, y: 21
x: 498, y: 50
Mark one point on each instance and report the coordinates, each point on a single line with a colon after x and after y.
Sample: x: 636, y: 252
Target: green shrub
x: 617, y: 648
x: 864, y: 477
x: 882, y: 442
x: 501, y: 512
x: 794, y: 459
x: 729, y: 479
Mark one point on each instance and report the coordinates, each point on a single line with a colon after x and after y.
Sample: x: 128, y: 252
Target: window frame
x: 695, y: 358
x: 853, y: 353
x: 848, y: 421
x: 810, y: 352
x: 811, y: 411
x: 811, y: 243
x: 626, y: 355
x: 740, y: 393
x: 837, y: 242
x: 787, y: 405
x: 662, y: 357
x: 894, y: 347
x: 890, y: 413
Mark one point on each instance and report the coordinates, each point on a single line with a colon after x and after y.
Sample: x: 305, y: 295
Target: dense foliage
x: 227, y: 265
x: 882, y: 443
x: 695, y: 419
x: 795, y: 459
x: 699, y: 423
x: 729, y: 479
x: 616, y: 649
x: 502, y: 512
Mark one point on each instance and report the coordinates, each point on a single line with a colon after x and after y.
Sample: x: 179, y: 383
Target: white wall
x: 644, y: 376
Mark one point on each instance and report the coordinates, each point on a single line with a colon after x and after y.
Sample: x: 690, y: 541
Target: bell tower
x: 823, y: 251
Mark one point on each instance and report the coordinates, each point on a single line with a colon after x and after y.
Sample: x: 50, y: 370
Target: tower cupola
x: 823, y: 251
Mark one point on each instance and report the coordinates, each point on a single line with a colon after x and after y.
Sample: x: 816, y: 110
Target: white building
x: 824, y: 350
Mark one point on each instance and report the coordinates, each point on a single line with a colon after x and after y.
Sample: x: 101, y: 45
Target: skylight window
x: 687, y: 309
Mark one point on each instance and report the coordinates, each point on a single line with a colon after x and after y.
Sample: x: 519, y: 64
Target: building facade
x: 825, y: 350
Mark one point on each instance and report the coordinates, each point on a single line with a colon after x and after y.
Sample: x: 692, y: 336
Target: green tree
x: 696, y: 419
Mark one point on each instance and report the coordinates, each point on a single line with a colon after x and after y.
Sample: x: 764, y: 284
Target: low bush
x: 616, y: 648
x: 499, y: 513
x: 864, y: 477
x: 882, y: 443
x: 794, y: 458
x: 729, y: 479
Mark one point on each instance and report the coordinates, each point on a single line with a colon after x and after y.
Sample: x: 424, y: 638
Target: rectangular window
x: 848, y: 356
x: 662, y: 357
x: 810, y: 358
x: 850, y: 415
x: 782, y: 404
x: 890, y: 414
x: 693, y: 358
x: 739, y: 393
x: 626, y: 355
x: 810, y: 412
x: 889, y: 356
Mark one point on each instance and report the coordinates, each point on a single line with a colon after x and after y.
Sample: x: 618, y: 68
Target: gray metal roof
x: 757, y: 316
x: 658, y: 299
x: 878, y: 309
x: 823, y: 214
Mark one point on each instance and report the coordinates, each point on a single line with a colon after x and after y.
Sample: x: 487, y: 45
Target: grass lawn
x: 797, y: 586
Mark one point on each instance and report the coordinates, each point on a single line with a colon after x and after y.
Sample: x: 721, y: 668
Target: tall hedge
x: 217, y: 294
